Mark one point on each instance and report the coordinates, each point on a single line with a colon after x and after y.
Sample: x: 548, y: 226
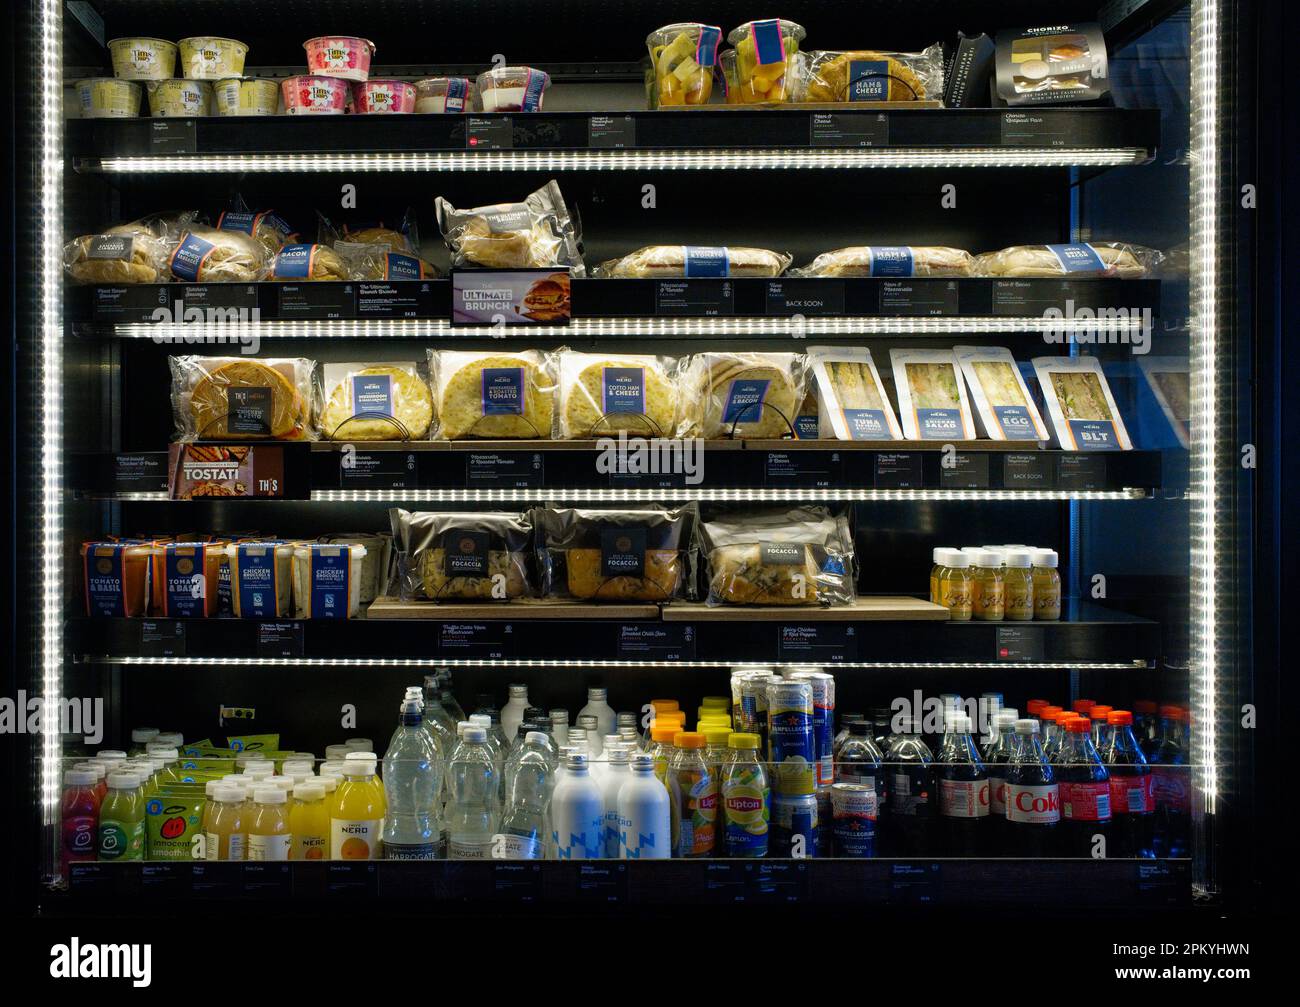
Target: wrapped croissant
x: 128, y: 253
x: 539, y: 232
x: 209, y: 255
x: 308, y: 262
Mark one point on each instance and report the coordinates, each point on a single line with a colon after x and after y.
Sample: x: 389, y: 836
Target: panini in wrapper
x: 493, y: 395
x: 742, y: 395
x: 604, y: 394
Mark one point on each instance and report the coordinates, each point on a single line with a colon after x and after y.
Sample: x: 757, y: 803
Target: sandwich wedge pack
x: 1083, y: 411
x: 932, y: 399
x: 850, y: 395
x: 1004, y: 410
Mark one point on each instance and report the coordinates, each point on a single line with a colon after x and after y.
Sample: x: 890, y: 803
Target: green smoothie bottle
x: 121, y: 819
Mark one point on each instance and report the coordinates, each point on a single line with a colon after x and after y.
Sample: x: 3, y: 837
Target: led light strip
x: 546, y: 160
x: 469, y: 662
x: 458, y: 495
x: 236, y: 333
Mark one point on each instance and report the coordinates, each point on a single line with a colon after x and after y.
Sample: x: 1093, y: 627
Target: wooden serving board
x: 874, y: 608
x: 514, y: 611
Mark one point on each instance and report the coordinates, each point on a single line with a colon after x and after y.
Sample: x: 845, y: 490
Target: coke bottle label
x: 998, y: 796
x: 1171, y: 788
x: 1038, y: 805
x: 964, y: 798
x: 1130, y: 795
x: 1086, y: 802
x: 909, y: 794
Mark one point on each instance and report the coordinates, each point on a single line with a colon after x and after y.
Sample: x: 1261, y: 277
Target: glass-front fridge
x: 624, y: 458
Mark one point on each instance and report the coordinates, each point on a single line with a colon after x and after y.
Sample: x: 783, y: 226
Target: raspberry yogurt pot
x: 314, y: 95
x: 343, y: 56
x: 379, y: 96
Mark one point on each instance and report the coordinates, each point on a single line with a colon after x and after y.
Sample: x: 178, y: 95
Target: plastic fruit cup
x: 250, y: 96
x: 178, y: 97
x: 513, y: 89
x: 314, y: 95
x: 343, y: 56
x: 205, y: 57
x: 683, y: 56
x: 108, y: 98
x: 372, y: 97
x: 143, y: 58
x: 763, y: 49
x: 443, y: 95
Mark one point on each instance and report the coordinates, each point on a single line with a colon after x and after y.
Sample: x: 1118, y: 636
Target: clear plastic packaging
x: 266, y: 226
x: 362, y: 261
x: 1079, y: 401
x: 375, y: 402
x: 242, y: 398
x: 618, y: 555
x: 764, y: 53
x: 209, y: 255
x: 866, y: 75
x: 742, y: 394
x: 601, y: 395
x: 1078, y: 259
x: 444, y: 95
x: 931, y: 395
x: 673, y: 261
x: 463, y: 556
x: 205, y: 57
x: 404, y: 236
x: 493, y: 395
x: 1003, y: 407
x: 796, y: 556
x: 539, y: 232
x: 850, y: 394
x: 327, y: 580
x: 683, y: 57
x: 303, y: 263
x: 891, y: 260
x: 374, y: 566
x: 512, y: 89
x: 128, y: 253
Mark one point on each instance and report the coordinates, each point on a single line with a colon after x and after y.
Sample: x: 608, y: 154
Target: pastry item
x: 600, y: 395
x: 267, y: 227
x: 360, y: 396
x: 1003, y: 409
x: 891, y: 260
x: 765, y: 52
x: 672, y: 261
x: 871, y: 75
x: 460, y: 556
x: 215, y: 398
x: 617, y: 555
x: 493, y: 395
x: 308, y: 262
x: 207, y: 255
x: 682, y: 57
x: 128, y: 253
x: 799, y: 556
x: 742, y: 395
x: 851, y: 395
x: 538, y: 232
x: 1097, y: 258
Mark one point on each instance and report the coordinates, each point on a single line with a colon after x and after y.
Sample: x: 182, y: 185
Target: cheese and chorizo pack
x: 463, y: 555
x: 641, y: 554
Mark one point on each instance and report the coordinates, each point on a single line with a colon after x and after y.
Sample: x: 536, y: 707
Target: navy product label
x: 1078, y: 258
x: 248, y: 410
x: 706, y: 50
x: 457, y: 92
x: 184, y: 584
x: 111, y: 246
x: 745, y: 400
x: 705, y: 261
x: 258, y: 596
x: 867, y: 425
x: 1016, y: 423
x: 623, y: 390
x: 781, y: 553
x: 622, y: 552
x: 465, y: 553
x: 939, y: 424
x: 230, y: 221
x: 1094, y: 435
x: 533, y: 91
x: 191, y: 253
x: 891, y: 260
x: 372, y: 393
x: 806, y: 427
x: 402, y: 267
x: 503, y: 391
x: 105, y: 581
x: 294, y: 262
x: 330, y: 581
x: 766, y: 35
x: 868, y: 80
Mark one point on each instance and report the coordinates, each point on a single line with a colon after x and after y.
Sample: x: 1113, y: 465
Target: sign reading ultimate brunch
x: 514, y: 297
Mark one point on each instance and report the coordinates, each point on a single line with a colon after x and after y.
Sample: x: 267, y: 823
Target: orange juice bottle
x: 357, y: 812
x: 309, y: 822
x: 226, y: 831
x: 268, y: 832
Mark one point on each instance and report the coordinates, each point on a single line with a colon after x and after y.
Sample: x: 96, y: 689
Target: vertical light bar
x: 50, y: 355
x: 1207, y: 199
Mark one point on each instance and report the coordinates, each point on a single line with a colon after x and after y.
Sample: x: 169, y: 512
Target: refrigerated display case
x: 188, y: 404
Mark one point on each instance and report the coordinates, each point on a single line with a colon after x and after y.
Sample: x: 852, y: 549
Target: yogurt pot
x: 205, y: 57
x: 249, y: 96
x: 342, y: 56
x: 440, y: 95
x: 513, y: 89
x: 313, y: 95
x: 108, y: 98
x: 143, y: 58
x: 380, y: 96
x: 178, y: 97
x: 327, y: 580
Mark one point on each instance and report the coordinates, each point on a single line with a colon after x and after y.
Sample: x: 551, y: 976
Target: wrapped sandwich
x: 891, y: 260
x: 1097, y: 258
x: 604, y: 394
x: 128, y: 253
x: 208, y: 255
x: 674, y: 261
x: 242, y: 398
x: 463, y: 556
x: 537, y: 233
x: 617, y: 555
x: 742, y: 395
x: 850, y: 394
x: 1079, y: 401
x: 931, y: 396
x: 1003, y: 409
x: 376, y: 402
x: 870, y: 75
x: 493, y: 395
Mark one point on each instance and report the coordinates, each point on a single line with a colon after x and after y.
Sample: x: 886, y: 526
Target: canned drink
x: 854, y: 810
x: 794, y: 825
x: 750, y: 713
x: 823, y: 691
x: 790, y: 733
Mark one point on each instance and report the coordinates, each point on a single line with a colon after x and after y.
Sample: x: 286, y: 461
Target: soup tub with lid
x: 177, y: 97
x: 327, y: 580
x: 343, y: 56
x: 205, y: 57
x: 313, y: 95
x: 143, y: 58
x: 379, y: 96
x: 249, y: 96
x: 108, y: 98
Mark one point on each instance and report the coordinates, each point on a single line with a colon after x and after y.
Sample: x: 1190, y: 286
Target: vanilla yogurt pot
x: 143, y: 58
x: 512, y: 89
x: 380, y: 96
x: 205, y: 57
x: 342, y: 56
x: 178, y: 97
x: 313, y: 95
x: 108, y: 98
x: 439, y: 95
x: 250, y: 96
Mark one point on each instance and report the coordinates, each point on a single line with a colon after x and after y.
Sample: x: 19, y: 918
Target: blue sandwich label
x: 294, y: 262
x: 1094, y: 435
x: 184, y: 567
x: 258, y: 597
x: 806, y: 427
x: 623, y: 390
x: 868, y: 80
x: 402, y: 267
x: 503, y: 391
x: 867, y: 425
x: 190, y: 254
x: 105, y: 580
x: 744, y: 403
x: 1078, y: 258
x: 373, y: 394
x: 939, y: 424
x: 891, y: 260
x: 706, y: 261
x: 1016, y: 423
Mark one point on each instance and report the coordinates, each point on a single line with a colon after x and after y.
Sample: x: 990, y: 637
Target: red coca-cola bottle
x: 1033, y: 797
x: 1171, y: 785
x: 1085, y: 794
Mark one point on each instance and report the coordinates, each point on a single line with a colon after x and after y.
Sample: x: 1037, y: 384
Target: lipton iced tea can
x: 790, y: 735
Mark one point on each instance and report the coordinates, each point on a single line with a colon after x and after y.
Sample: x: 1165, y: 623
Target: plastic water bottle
x: 436, y: 716
x: 644, y: 819
x: 512, y: 714
x: 598, y: 707
x: 578, y: 813
x: 525, y: 825
x: 472, y: 807
x: 412, y: 781
x: 560, y: 726
x: 617, y: 772
x: 447, y: 698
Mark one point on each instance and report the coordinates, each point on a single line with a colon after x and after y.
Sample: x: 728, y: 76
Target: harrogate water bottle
x: 525, y: 825
x: 472, y: 806
x: 412, y: 782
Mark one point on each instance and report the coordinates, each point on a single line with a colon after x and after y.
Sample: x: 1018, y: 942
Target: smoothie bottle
x: 121, y: 819
x: 80, y: 817
x: 226, y: 831
x: 309, y: 822
x: 268, y: 832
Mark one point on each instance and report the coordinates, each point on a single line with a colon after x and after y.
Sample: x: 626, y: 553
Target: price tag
x: 1032, y: 298
x: 666, y: 641
x: 599, y: 882
x: 197, y: 300
x: 848, y: 129
x: 164, y: 638
x: 90, y: 879
x: 1036, y: 129
x: 1027, y: 471
x: 695, y: 298
x: 280, y: 639
x: 648, y: 480
x: 143, y: 472
x: 267, y: 879
x: 506, y: 470
x: 142, y: 303
x: 964, y: 471
x: 517, y: 881
x: 611, y: 132
x: 1080, y: 472
x: 822, y: 643
x: 914, y: 884
x: 496, y: 133
x: 172, y: 136
x: 357, y: 878
x: 724, y: 882
x: 165, y: 878
x: 918, y: 297
x: 408, y: 299
x: 476, y: 639
x: 805, y: 297
x: 803, y: 469
x: 214, y: 877
x: 1020, y: 643
x: 379, y: 470
x: 776, y: 881
x: 898, y: 470
x: 317, y: 301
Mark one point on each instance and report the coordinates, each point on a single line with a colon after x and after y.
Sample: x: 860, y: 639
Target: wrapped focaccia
x: 867, y: 75
x: 128, y: 253
x: 462, y: 556
x: 208, y: 255
x: 493, y: 395
x: 617, y: 555
x: 242, y: 398
x: 742, y: 395
x: 604, y: 394
x: 1078, y: 259
x: 536, y: 233
x: 795, y: 556
x: 931, y: 396
x: 1003, y: 407
x: 376, y: 402
x: 891, y: 260
x: 673, y: 261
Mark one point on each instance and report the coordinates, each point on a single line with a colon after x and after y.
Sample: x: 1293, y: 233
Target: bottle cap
x: 626, y: 718
x: 475, y: 733
x: 689, y: 739
x: 296, y: 768
x: 588, y: 720
x: 859, y: 728
x: 481, y: 719
x: 716, y: 703
x: 144, y: 735
x: 359, y: 744
x: 91, y: 766
x: 715, y: 735
x: 1171, y: 712
x: 1083, y: 705
x: 958, y: 560
x: 123, y: 781
x: 1006, y: 717
x: 663, y: 705
x: 596, y: 692
x: 1144, y: 706
x: 559, y: 716
x: 1026, y: 725
x: 79, y: 778
x: 1120, y: 718
x: 164, y: 752
x: 989, y: 559
x: 336, y: 753
x: 960, y: 723
x: 360, y: 764
x: 1077, y: 725
x: 1018, y: 559
x: 309, y: 792
x: 1034, y: 705
x: 743, y: 740
x: 517, y: 690
x: 1046, y: 557
x: 939, y: 555
x: 576, y: 761
x: 228, y: 793
x: 259, y: 769
x: 111, y: 755
x: 643, y: 761
x: 1099, y: 712
x: 172, y: 739
x: 270, y: 795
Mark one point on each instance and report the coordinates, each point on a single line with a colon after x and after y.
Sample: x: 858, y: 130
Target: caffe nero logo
x: 466, y: 546
x: 623, y: 543
x: 185, y: 566
x: 104, y: 566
